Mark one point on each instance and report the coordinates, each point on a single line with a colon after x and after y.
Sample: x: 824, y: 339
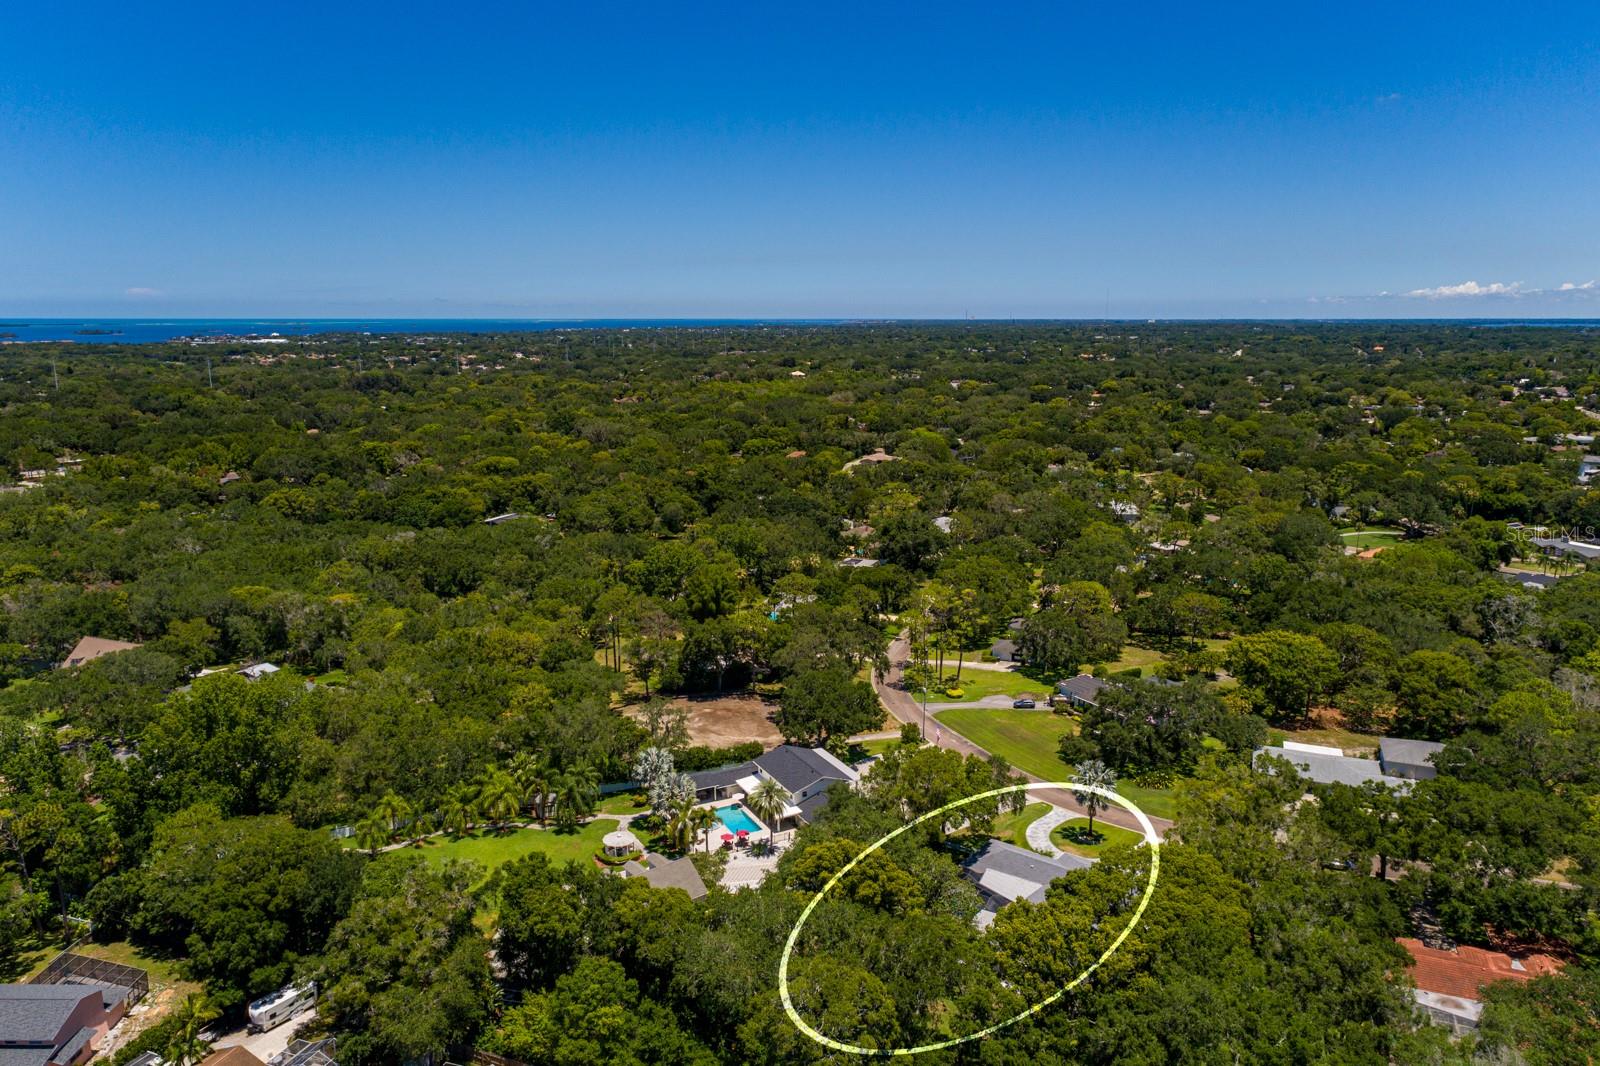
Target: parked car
x: 1024, y: 704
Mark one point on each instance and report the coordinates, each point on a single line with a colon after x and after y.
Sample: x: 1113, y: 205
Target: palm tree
x: 1097, y: 774
x: 577, y: 791
x: 681, y: 827
x: 767, y: 801
x: 500, y: 799
x: 187, y: 1047
x: 456, y: 812
x: 701, y: 819
x: 533, y: 775
x: 393, y: 811
x: 372, y: 833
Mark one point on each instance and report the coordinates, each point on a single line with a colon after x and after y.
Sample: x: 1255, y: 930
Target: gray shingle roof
x: 1021, y: 867
x: 1400, y: 752
x: 795, y: 767
x: 1335, y: 769
x: 722, y: 776
x: 1085, y: 687
x: 35, y: 1014
x: 679, y: 873
x: 69, y: 1051
x: 38, y: 1055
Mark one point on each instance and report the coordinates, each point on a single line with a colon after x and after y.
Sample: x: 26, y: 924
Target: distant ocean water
x: 149, y: 330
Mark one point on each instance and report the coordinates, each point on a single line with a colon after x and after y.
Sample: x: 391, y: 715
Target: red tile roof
x: 1465, y: 970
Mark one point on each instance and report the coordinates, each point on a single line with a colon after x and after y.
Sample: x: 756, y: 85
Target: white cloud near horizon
x: 1468, y: 288
x: 139, y: 292
x: 1567, y: 286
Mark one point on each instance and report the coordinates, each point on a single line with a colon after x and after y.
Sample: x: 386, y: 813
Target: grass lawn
x: 633, y: 801
x: 1113, y: 835
x: 976, y: 684
x: 490, y: 849
x: 869, y: 748
x: 1334, y: 738
x: 1027, y: 739
x: 1013, y: 828
x: 1370, y: 538
x: 1156, y: 802
x: 162, y: 971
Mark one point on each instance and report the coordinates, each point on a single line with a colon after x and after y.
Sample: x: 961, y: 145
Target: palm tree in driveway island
x: 1097, y: 774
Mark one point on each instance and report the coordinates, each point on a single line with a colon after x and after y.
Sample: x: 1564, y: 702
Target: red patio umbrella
x: 727, y: 838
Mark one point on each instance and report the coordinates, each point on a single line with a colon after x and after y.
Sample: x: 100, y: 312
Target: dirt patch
x: 722, y: 721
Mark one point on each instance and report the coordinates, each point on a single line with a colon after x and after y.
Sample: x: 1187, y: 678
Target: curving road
x: 893, y: 695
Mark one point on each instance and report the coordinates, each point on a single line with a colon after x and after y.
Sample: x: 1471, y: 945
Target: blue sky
x: 710, y: 159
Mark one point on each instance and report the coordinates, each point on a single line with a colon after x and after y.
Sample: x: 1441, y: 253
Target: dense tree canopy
x: 485, y: 564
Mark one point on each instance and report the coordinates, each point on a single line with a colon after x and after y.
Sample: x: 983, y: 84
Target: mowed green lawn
x: 1028, y: 739
x: 976, y: 684
x: 1112, y: 835
x: 1013, y: 828
x: 490, y: 849
x: 1370, y: 538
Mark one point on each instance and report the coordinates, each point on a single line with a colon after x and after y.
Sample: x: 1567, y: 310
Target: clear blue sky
x: 711, y: 159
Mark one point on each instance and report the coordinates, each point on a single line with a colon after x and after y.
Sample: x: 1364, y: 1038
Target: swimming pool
x: 734, y: 818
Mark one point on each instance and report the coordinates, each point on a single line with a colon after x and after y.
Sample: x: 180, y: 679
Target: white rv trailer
x: 275, y: 1008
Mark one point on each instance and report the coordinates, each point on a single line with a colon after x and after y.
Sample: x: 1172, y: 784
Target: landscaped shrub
x: 615, y: 860
x: 700, y: 757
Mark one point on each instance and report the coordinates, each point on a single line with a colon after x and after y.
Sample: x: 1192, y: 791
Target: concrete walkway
x: 1040, y: 828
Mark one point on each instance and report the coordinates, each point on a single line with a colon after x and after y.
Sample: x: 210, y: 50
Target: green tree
x: 1096, y: 774
x: 188, y: 1048
x: 819, y: 704
x: 1289, y: 670
x: 406, y: 974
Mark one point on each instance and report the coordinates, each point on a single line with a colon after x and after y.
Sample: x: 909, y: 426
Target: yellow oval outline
x: 1152, y: 838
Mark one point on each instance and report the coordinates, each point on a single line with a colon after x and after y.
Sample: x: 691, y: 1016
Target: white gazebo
x: 619, y: 844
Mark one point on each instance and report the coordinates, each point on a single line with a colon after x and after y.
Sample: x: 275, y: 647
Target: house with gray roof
x: 805, y: 773
x: 1328, y: 769
x: 1083, y: 690
x: 1005, y: 873
x: 56, y: 1024
x: 1562, y: 547
x: 1410, y: 759
x: 670, y: 873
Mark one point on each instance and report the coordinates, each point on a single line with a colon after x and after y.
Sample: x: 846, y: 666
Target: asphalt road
x: 900, y: 703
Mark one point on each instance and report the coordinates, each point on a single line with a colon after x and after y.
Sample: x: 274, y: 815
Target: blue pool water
x: 734, y: 818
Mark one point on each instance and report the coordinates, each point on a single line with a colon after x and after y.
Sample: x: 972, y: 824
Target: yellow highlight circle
x: 1152, y: 838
